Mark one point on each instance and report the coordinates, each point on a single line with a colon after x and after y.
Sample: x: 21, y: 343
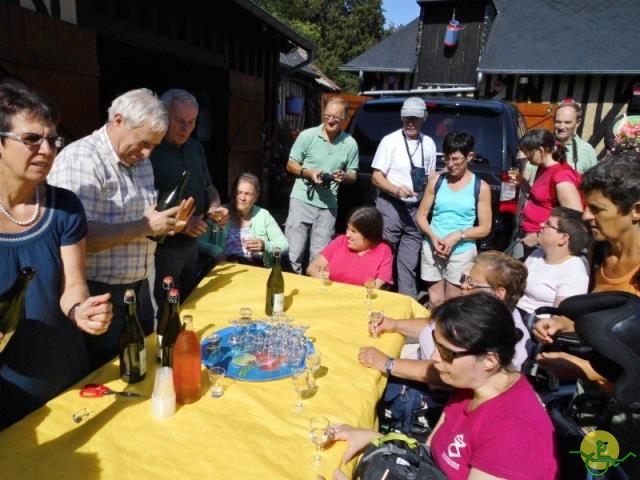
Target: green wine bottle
x: 172, y: 328
x: 275, y: 287
x: 12, y: 305
x: 172, y: 199
x: 167, y: 285
x: 132, y: 352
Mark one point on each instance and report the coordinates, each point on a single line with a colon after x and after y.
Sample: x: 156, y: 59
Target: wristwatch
x: 388, y: 365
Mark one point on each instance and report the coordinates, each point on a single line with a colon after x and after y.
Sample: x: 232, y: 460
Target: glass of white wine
x: 318, y: 434
x: 324, y: 275
x: 300, y: 378
x: 369, y: 284
x: 312, y: 361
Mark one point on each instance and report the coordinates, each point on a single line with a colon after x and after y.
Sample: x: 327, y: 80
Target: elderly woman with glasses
x: 494, y: 425
x: 457, y: 200
x: 43, y: 227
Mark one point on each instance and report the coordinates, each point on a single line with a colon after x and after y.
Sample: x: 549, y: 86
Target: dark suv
x: 495, y: 125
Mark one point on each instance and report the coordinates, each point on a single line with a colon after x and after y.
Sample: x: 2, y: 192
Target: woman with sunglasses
x: 556, y: 184
x: 43, y: 227
x: 494, y: 425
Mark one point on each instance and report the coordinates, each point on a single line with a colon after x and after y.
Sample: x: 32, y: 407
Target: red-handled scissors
x: 94, y: 390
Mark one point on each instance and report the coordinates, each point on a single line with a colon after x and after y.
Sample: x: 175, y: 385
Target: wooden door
x: 246, y: 121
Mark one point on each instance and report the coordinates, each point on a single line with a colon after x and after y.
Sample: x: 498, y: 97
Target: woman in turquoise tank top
x: 449, y: 245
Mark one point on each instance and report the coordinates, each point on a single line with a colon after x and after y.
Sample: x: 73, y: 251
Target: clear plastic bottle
x: 186, y: 364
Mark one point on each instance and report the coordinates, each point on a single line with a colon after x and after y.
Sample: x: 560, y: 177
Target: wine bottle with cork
x: 132, y: 352
x: 275, y: 287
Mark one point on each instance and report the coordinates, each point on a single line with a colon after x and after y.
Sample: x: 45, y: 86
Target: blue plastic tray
x: 249, y: 373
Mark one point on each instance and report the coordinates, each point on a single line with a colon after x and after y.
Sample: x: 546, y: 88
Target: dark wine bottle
x: 132, y: 352
x: 172, y: 199
x: 172, y: 329
x: 167, y: 285
x: 12, y: 305
x: 275, y: 287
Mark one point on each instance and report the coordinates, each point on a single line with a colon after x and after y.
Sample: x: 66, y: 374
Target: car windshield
x: 377, y: 120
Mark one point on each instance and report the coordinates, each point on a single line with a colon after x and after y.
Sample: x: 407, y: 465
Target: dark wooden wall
x: 439, y: 64
x: 55, y: 57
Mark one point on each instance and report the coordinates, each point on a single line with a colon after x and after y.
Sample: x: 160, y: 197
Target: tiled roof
x: 564, y: 36
x: 396, y: 53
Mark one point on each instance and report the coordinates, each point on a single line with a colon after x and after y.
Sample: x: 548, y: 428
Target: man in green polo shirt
x: 580, y: 154
x: 322, y: 158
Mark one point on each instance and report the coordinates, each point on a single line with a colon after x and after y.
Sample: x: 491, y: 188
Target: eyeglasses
x: 332, y: 117
x: 448, y: 159
x: 548, y: 225
x: 466, y: 279
x: 448, y: 355
x: 31, y: 140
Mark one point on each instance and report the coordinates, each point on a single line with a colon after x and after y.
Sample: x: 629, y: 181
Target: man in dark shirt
x: 178, y: 255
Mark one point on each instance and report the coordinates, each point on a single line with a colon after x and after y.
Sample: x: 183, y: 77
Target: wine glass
x: 369, y: 284
x: 324, y: 275
x: 300, y: 380
x: 318, y: 434
x: 375, y: 319
x: 216, y: 214
x: 312, y: 361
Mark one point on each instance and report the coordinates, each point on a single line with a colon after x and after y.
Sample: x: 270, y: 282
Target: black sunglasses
x: 449, y: 355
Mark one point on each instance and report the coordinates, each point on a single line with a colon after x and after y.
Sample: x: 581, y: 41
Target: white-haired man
x: 402, y: 162
x: 110, y: 172
x: 178, y: 255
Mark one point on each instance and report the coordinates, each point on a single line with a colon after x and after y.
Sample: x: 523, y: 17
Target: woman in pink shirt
x: 359, y: 254
x: 556, y: 183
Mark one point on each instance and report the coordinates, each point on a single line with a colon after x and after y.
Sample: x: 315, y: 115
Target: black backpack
x: 397, y: 457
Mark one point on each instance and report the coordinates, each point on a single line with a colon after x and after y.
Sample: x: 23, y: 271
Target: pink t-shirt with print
x: 348, y: 267
x: 509, y: 436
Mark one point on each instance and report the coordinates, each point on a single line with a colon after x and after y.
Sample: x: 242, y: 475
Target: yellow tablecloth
x: 251, y: 432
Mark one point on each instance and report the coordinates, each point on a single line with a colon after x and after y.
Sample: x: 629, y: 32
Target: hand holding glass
x: 216, y: 214
x: 319, y: 434
x: 376, y: 317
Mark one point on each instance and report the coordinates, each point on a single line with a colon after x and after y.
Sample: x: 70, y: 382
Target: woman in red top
x: 556, y: 183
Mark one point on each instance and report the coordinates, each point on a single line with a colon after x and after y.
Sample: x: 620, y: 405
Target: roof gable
x: 396, y: 53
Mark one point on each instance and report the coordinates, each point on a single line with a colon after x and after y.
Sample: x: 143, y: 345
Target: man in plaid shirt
x: 111, y: 173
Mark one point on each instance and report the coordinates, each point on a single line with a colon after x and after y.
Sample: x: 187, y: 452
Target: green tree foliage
x: 342, y: 30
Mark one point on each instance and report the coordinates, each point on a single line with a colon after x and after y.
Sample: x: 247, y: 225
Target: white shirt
x: 392, y: 159
x: 545, y: 281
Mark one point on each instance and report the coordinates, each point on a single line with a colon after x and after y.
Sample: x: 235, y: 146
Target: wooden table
x: 251, y: 432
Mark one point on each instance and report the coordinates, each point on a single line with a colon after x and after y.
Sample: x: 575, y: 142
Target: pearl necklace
x: 26, y: 223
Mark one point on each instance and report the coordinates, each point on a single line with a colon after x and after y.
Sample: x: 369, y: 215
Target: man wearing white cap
x: 401, y: 165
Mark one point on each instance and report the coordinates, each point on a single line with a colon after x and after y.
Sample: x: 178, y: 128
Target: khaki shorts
x: 434, y: 269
